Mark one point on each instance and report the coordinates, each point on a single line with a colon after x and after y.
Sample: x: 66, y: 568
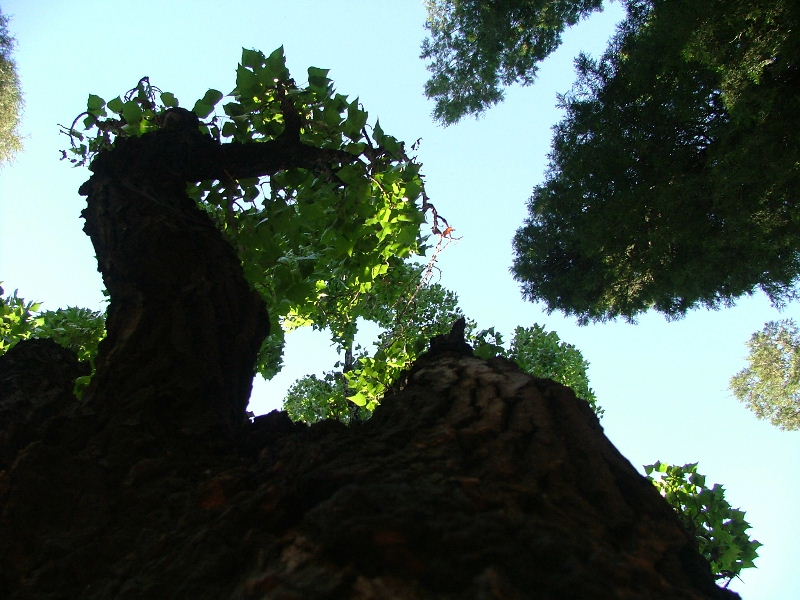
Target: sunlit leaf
x: 132, y: 112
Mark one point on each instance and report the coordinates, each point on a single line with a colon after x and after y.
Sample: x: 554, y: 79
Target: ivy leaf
x: 413, y: 189
x: 276, y: 64
x: 205, y: 106
x: 229, y: 129
x: 359, y: 399
x: 115, y: 105
x: 212, y: 96
x: 377, y: 133
x: 202, y: 110
x: 132, y: 112
x: 253, y: 59
x: 234, y: 109
x: 167, y: 99
x: 393, y: 147
x: 318, y: 77
x: 356, y: 119
x: 95, y: 105
x: 246, y: 83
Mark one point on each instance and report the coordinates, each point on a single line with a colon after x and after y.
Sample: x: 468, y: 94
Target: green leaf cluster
x: 18, y: 320
x: 477, y: 47
x: 410, y: 322
x: 672, y: 177
x: 78, y: 329
x: 409, y: 313
x: 10, y: 96
x: 719, y: 529
x: 408, y: 325
x: 316, y: 241
x: 140, y: 110
x: 672, y: 180
x: 770, y: 384
x: 312, y: 399
x: 488, y: 343
x: 541, y: 353
x: 75, y: 328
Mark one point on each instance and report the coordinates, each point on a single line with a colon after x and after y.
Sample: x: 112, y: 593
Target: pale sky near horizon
x: 663, y: 385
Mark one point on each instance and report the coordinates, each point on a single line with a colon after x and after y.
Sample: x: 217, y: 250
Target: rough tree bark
x: 472, y: 480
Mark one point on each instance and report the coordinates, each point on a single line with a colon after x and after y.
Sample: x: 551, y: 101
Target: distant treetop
x: 10, y: 96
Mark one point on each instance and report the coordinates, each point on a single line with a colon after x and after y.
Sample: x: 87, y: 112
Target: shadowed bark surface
x: 472, y: 480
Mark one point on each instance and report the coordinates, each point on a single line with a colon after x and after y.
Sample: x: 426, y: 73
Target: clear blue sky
x: 663, y: 384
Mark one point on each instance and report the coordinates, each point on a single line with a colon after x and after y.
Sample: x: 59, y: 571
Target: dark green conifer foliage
x: 477, y: 47
x: 673, y: 177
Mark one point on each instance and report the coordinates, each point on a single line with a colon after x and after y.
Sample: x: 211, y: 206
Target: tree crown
x: 316, y: 236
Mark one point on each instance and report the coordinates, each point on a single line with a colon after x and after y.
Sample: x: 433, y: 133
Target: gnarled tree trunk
x: 472, y: 480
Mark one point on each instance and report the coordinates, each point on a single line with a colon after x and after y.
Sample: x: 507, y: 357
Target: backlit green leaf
x: 115, y: 105
x: 167, y: 98
x: 132, y: 112
x: 318, y: 77
x: 212, y: 96
x: 94, y: 103
x: 252, y: 58
x: 202, y: 110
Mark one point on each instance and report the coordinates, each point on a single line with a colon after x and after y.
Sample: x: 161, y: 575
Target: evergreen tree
x: 672, y: 177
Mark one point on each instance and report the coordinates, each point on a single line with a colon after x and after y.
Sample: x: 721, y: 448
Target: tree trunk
x: 472, y: 480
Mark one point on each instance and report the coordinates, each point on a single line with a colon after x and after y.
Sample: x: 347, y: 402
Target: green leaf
x: 413, y: 189
x: 132, y: 112
x: 202, y: 109
x: 234, y: 109
x: 252, y: 58
x: 350, y: 174
x: 94, y: 103
x: 167, y: 98
x: 318, y: 77
x: 115, y: 105
x: 247, y: 84
x: 212, y: 96
x: 229, y: 129
x: 276, y: 64
x: 356, y: 119
x: 377, y: 133
x: 359, y: 399
x: 393, y: 147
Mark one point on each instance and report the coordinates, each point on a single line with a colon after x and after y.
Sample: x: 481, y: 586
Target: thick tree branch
x: 190, y: 156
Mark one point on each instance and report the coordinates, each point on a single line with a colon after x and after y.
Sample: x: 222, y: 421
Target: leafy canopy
x: 542, y: 353
x: 477, y: 47
x: 770, y: 384
x: 10, y: 96
x: 719, y: 529
x: 408, y: 326
x: 672, y: 177
x: 77, y: 329
x: 18, y: 320
x: 315, y: 242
